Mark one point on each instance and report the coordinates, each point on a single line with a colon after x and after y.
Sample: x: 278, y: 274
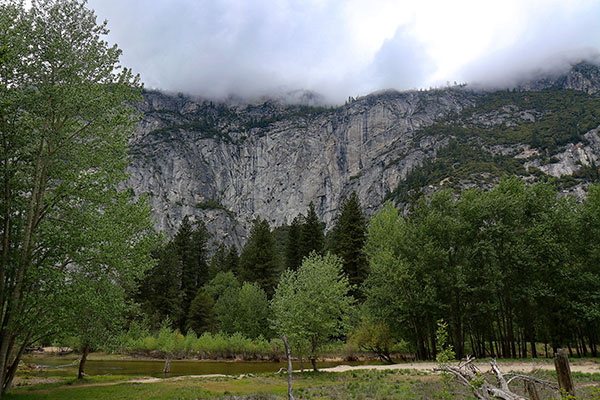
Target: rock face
x: 276, y: 172
x: 226, y: 164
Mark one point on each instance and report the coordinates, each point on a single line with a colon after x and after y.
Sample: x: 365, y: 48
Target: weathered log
x: 531, y: 390
x: 470, y: 376
x: 563, y: 370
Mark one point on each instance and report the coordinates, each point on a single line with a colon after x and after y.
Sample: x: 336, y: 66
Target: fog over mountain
x: 346, y: 48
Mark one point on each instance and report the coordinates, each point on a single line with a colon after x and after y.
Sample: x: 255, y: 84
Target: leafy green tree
x: 312, y: 305
x: 348, y: 240
x: 201, y: 316
x: 66, y: 114
x: 374, y: 336
x: 396, y: 295
x: 436, y: 245
x: 254, y: 311
x: 222, y: 283
x: 505, y: 267
x: 96, y: 314
x: 259, y: 262
x: 244, y: 311
x: 312, y: 237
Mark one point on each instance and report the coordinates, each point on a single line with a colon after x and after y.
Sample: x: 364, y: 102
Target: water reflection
x: 58, y: 366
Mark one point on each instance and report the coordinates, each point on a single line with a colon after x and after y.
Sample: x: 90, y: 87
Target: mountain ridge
x: 226, y: 164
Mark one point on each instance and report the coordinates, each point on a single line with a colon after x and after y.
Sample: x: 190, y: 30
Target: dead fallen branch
x: 470, y: 376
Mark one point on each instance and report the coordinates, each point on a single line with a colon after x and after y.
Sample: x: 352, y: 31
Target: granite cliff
x: 226, y: 163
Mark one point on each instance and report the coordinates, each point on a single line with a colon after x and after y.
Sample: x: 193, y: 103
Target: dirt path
x: 587, y: 367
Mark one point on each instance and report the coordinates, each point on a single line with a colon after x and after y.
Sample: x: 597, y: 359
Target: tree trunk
x: 6, y: 384
x: 86, y: 351
x: 289, y: 369
x: 563, y: 370
x: 167, y: 367
x: 15, y: 296
x: 313, y: 361
x: 533, y: 349
x: 583, y: 346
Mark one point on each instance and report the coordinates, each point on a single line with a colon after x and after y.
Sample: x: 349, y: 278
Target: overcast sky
x: 213, y: 48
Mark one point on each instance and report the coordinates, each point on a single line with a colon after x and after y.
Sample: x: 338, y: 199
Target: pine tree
x: 190, y: 270
x: 312, y: 237
x: 258, y: 261
x: 348, y: 240
x: 292, y: 247
x: 158, y: 293
x: 186, y: 265
x: 232, y: 261
x: 217, y: 262
x: 200, y: 238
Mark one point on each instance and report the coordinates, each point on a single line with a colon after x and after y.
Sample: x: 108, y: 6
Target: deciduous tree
x: 312, y: 305
x: 66, y: 113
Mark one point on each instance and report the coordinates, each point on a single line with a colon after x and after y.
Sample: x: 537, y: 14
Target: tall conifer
x: 258, y: 261
x: 312, y: 237
x: 293, y: 257
x: 348, y: 240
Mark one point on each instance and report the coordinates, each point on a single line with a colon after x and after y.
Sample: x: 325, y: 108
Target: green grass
x: 359, y: 384
x: 399, y: 384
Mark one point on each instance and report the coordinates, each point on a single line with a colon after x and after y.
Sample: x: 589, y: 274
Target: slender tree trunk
x: 532, y: 344
x: 511, y: 336
x: 14, y: 366
x: 433, y: 344
x: 6, y: 223
x: 483, y: 350
x: 86, y: 351
x: 313, y: 359
x: 167, y: 368
x: 34, y: 208
x: 289, y: 369
x: 582, y: 339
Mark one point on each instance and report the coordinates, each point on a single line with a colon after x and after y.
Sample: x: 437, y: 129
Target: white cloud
x: 339, y: 48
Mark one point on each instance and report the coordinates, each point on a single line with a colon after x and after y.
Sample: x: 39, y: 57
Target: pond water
x: 60, y: 366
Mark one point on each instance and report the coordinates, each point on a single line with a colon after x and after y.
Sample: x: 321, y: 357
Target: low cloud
x: 252, y: 48
x: 549, y: 44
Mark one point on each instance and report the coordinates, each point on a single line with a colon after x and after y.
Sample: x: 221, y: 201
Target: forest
x: 512, y: 270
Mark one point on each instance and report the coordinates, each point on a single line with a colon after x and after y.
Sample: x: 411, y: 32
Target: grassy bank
x: 364, y: 384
